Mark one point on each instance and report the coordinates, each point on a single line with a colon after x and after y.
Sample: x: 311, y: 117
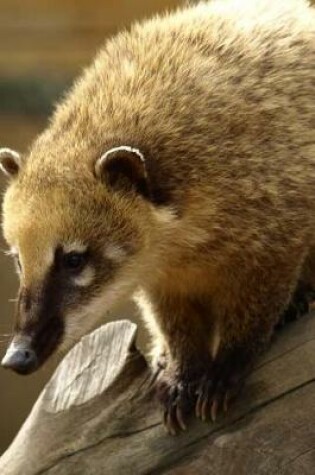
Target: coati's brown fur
x: 210, y: 218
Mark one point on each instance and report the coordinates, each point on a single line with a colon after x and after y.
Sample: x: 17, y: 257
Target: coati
x: 180, y: 169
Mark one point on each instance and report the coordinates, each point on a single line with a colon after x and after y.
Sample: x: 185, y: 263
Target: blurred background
x: 43, y: 45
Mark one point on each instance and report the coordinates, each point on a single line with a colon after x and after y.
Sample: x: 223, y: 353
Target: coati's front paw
x: 209, y: 388
x: 177, y: 396
x: 220, y: 386
x: 214, y: 395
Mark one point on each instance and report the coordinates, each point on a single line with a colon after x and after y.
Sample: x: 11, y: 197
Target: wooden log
x: 97, y: 416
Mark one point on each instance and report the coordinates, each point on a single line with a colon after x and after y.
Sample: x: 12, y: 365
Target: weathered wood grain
x: 97, y: 416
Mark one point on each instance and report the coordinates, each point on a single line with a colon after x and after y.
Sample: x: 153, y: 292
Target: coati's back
x: 184, y: 87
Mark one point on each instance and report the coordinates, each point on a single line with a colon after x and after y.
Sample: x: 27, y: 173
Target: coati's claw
x: 203, y: 399
x: 215, y: 408
x: 175, y: 400
x: 227, y: 399
x: 174, y: 420
x: 216, y: 391
x: 209, y: 405
x: 180, y: 418
x: 209, y: 402
x: 209, y: 395
x: 169, y: 421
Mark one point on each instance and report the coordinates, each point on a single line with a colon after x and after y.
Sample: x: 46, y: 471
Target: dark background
x: 43, y: 45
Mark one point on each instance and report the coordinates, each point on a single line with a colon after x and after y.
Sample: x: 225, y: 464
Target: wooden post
x: 97, y: 416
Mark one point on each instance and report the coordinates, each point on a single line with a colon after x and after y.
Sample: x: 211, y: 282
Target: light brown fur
x: 219, y: 98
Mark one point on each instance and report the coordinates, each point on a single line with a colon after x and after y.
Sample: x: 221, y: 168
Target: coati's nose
x: 20, y: 359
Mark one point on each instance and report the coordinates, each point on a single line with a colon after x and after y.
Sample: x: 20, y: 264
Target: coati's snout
x: 59, y: 305
x: 55, y: 308
x: 20, y: 357
x: 38, y: 331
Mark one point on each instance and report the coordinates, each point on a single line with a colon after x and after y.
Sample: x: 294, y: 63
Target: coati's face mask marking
x: 55, y: 304
x: 75, y: 252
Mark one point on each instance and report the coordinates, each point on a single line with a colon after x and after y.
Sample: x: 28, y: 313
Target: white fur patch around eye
x: 115, y: 253
x: 75, y: 246
x: 83, y: 319
x: 85, y: 278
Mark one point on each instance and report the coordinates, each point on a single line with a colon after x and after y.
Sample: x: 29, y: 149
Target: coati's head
x: 77, y: 242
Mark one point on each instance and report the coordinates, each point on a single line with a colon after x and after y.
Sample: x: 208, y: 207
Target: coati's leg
x: 182, y: 356
x: 247, y: 314
x: 225, y: 377
x: 211, y: 345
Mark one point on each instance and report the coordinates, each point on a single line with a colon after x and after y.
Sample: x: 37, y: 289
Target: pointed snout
x: 21, y: 358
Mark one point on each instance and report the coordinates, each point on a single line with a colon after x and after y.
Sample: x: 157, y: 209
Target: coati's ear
x: 123, y: 168
x: 10, y: 162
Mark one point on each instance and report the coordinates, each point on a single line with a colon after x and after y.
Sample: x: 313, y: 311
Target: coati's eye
x: 74, y: 261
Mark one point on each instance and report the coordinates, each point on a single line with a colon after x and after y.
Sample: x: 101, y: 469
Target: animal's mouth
x: 27, y: 353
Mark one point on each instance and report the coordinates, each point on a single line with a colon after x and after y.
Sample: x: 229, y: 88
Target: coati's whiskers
x: 9, y: 252
x: 6, y: 252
